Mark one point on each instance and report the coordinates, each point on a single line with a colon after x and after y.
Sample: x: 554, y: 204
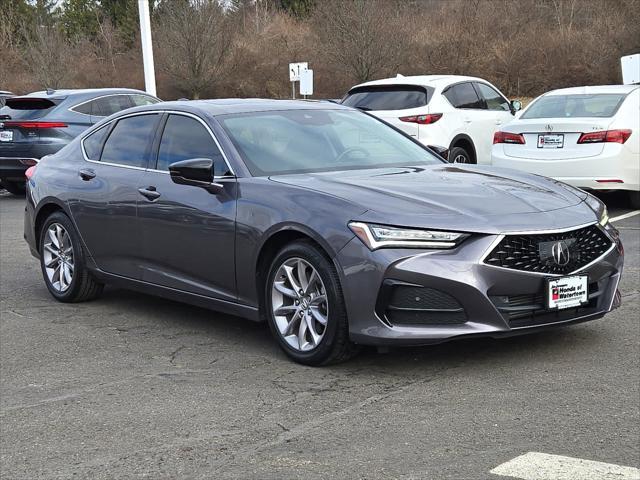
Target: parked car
x: 3, y: 97
x: 588, y: 137
x: 41, y: 123
x: 460, y: 113
x: 330, y: 225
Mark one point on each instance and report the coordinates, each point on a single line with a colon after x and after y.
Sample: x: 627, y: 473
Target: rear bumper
x: 468, y: 294
x: 594, y: 173
x: 14, y: 164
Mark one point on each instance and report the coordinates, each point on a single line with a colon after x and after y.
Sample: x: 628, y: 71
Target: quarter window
x: 88, y: 108
x: 464, y: 95
x: 492, y: 98
x: 93, y: 143
x: 130, y: 140
x: 185, y: 138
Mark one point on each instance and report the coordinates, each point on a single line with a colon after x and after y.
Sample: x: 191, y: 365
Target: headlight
x: 381, y: 236
x: 604, y: 218
x: 599, y: 208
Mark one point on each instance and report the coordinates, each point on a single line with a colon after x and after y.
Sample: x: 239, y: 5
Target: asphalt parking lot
x: 134, y: 386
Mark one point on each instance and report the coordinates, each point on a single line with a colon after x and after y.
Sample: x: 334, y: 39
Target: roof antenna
x: 399, y: 75
x: 50, y: 91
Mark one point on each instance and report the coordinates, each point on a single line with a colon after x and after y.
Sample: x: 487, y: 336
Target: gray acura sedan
x: 333, y: 227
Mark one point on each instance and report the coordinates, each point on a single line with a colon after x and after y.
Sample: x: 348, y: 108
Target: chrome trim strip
x: 544, y: 232
x: 19, y: 158
x: 495, y: 243
x: 149, y: 112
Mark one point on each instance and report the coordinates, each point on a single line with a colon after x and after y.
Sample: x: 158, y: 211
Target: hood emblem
x: 548, y: 127
x: 560, y: 253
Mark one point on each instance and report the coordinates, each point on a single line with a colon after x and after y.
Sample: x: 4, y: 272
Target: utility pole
x: 147, y: 47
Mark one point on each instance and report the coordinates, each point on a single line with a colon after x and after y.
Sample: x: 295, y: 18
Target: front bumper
x: 478, y: 289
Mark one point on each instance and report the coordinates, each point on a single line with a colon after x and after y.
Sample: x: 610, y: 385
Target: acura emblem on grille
x: 560, y: 253
x: 548, y: 127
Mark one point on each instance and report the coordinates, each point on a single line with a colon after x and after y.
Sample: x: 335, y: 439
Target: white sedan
x: 588, y: 137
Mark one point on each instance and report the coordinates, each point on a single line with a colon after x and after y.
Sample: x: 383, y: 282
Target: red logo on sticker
x: 554, y: 293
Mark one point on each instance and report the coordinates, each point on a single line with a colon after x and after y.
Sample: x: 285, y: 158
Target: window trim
x: 471, y: 82
x: 162, y: 121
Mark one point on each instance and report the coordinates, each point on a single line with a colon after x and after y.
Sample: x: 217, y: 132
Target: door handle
x: 150, y: 193
x: 498, y: 122
x: 467, y: 120
x: 87, y: 174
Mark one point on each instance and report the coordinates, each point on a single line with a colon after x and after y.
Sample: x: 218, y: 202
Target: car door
x: 474, y: 120
x: 188, y: 232
x: 498, y: 109
x: 104, y: 201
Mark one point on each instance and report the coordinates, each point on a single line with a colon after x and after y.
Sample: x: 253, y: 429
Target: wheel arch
x: 44, y: 210
x: 464, y: 141
x: 273, y: 242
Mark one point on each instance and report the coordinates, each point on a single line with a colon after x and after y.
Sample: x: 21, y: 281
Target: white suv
x: 460, y: 113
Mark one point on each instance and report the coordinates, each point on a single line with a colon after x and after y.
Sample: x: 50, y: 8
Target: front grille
x: 414, y: 305
x: 535, y: 253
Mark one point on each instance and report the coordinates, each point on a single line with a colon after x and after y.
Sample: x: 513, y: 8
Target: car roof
x: 422, y: 80
x: 81, y: 92
x: 224, y: 106
x: 592, y: 89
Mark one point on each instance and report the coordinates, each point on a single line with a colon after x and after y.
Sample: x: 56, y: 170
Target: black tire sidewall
x: 328, y: 274
x: 78, y: 257
x: 456, y: 151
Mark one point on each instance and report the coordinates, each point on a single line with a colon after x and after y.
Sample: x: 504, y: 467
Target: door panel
x: 189, y: 236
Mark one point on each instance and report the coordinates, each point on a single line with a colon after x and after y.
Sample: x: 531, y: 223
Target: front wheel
x: 63, y: 261
x: 305, y: 307
x: 459, y: 155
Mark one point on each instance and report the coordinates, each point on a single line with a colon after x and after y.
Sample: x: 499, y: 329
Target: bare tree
x: 48, y: 55
x: 362, y: 36
x: 194, y: 39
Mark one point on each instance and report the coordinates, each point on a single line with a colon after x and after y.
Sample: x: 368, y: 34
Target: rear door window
x: 112, y: 104
x: 27, y: 108
x: 600, y: 105
x: 129, y: 143
x: 464, y: 95
x: 492, y: 98
x: 185, y: 138
x: 396, y: 97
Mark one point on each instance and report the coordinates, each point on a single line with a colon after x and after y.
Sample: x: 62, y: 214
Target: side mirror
x: 442, y: 152
x: 197, y: 172
x: 516, y: 106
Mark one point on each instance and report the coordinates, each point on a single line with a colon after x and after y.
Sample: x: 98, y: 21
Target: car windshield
x: 306, y: 141
x: 568, y: 106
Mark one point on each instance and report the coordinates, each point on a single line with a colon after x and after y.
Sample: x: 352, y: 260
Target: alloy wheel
x: 300, y: 305
x: 57, y: 256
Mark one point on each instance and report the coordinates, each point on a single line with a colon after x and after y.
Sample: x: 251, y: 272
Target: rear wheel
x: 634, y: 199
x: 305, y: 307
x: 459, y: 155
x: 63, y: 261
x: 17, y: 188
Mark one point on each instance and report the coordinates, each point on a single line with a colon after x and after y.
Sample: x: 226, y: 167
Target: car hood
x: 464, y: 197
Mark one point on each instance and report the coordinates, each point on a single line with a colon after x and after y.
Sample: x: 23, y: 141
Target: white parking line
x: 542, y: 466
x: 626, y: 215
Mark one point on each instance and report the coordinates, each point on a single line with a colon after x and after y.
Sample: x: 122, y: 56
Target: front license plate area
x: 551, y: 141
x: 567, y: 292
x: 6, y: 135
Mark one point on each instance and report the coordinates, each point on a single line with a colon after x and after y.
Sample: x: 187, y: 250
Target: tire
x: 459, y: 155
x: 634, y: 200
x: 82, y: 286
x: 17, y: 188
x: 334, y: 345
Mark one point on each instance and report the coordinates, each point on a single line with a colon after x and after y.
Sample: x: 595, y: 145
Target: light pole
x: 147, y: 47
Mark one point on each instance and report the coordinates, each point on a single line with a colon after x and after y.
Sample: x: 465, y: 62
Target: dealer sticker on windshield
x: 567, y: 292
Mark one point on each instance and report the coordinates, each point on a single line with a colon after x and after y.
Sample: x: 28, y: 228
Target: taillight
x: 29, y: 172
x: 423, y: 119
x: 32, y: 125
x: 605, y: 136
x: 506, y: 137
